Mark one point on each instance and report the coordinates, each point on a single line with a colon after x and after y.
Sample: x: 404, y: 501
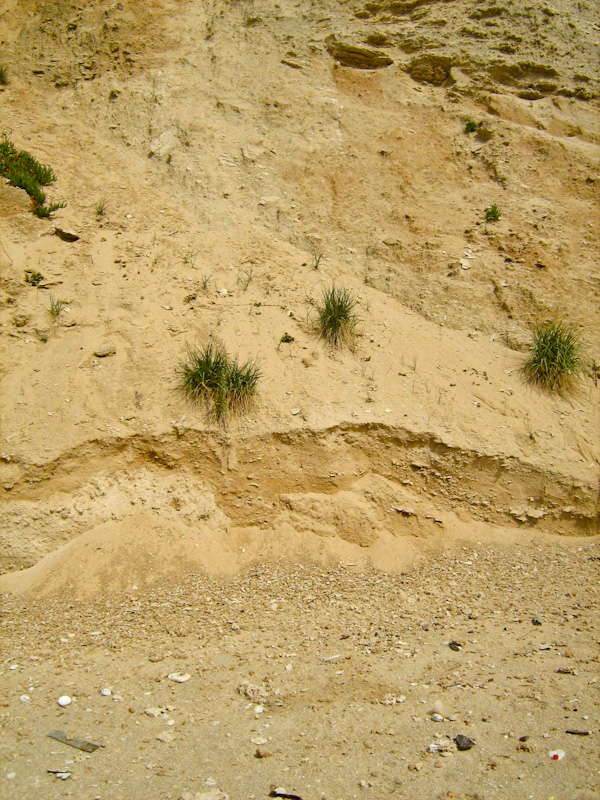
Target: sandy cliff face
x: 248, y: 155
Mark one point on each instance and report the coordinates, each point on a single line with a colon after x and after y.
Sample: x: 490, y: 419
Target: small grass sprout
x: 3, y: 75
x: 208, y: 375
x: 56, y: 306
x: 493, y: 213
x: 336, y: 317
x: 470, y: 126
x: 100, y: 208
x: 244, y: 278
x: 556, y: 357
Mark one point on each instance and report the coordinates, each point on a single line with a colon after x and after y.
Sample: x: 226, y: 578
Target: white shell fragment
x: 105, y: 692
x: 64, y: 701
x: 178, y: 677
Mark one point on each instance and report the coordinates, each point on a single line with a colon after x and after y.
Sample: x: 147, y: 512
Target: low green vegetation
x: 56, y: 306
x: 25, y: 172
x: 556, y: 357
x: 100, y: 208
x: 336, y: 317
x: 3, y: 75
x: 470, y: 126
x: 208, y: 375
x: 493, y: 213
x: 33, y: 278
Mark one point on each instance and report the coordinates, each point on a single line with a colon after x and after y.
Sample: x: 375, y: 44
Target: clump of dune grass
x: 556, y: 360
x: 336, y: 317
x: 224, y: 386
x: 25, y: 172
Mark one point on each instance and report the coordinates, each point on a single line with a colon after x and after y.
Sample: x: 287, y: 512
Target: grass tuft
x: 470, y: 126
x: 56, y: 306
x: 25, y: 172
x: 33, y: 278
x: 336, y: 317
x: 493, y: 213
x: 209, y: 376
x: 3, y: 76
x: 100, y: 208
x: 556, y: 357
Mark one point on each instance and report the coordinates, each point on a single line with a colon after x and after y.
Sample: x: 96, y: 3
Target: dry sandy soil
x: 309, y: 563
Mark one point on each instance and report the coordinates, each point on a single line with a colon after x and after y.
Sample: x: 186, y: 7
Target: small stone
x: 179, y: 677
x: 10, y: 776
x: 441, y: 709
x: 463, y: 742
x: 166, y: 737
x: 66, y: 235
x: 526, y: 745
x: 64, y: 701
x: 62, y: 776
x: 24, y: 698
x: 261, y: 753
x: 294, y: 412
x: 108, y: 349
x: 456, y: 646
x: 105, y: 692
x: 437, y: 718
x: 536, y: 621
x: 153, y: 712
x: 259, y: 740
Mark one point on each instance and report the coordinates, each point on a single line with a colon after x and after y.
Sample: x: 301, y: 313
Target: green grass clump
x: 556, y: 357
x: 336, y: 317
x: 25, y: 172
x: 470, y: 126
x: 493, y: 213
x: 55, y: 307
x: 208, y: 375
x: 33, y: 278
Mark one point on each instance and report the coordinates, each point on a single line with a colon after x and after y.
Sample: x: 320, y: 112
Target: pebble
x: 153, y: 712
x: 441, y: 709
x: 166, y: 737
x: 108, y: 349
x: 259, y: 740
x: 178, y: 677
x: 463, y: 742
x: 24, y: 698
x: 64, y: 701
x: 105, y: 692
